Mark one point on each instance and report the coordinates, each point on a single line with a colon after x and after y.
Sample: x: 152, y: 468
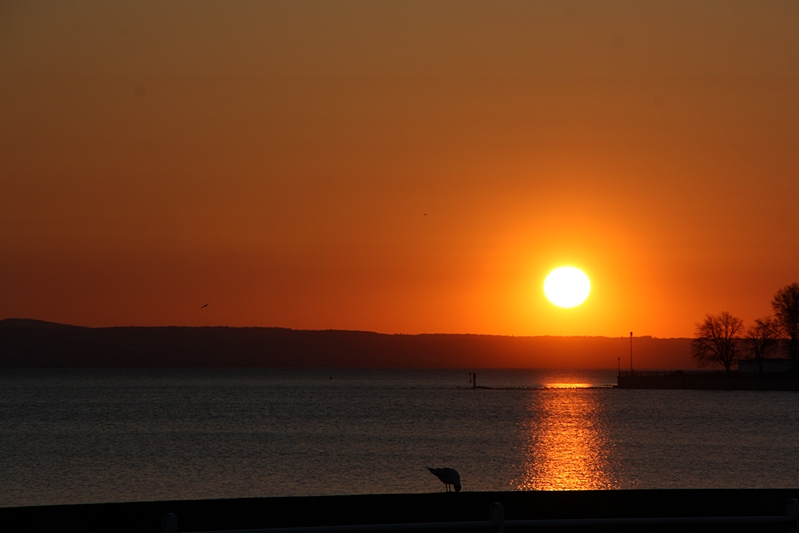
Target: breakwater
x: 709, y: 381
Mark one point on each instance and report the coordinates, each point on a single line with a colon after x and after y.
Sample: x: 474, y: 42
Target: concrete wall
x: 199, y: 515
x: 733, y: 381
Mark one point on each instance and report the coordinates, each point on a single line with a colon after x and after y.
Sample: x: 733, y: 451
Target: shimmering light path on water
x: 568, y: 449
x: 121, y: 435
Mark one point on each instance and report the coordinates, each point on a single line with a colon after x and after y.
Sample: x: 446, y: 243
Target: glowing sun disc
x: 567, y: 286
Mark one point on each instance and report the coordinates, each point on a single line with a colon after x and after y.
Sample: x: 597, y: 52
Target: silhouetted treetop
x: 761, y: 339
x: 716, y: 340
x: 786, y: 311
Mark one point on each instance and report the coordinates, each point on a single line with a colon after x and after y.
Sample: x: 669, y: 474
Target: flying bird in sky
x: 448, y: 476
x: 204, y: 306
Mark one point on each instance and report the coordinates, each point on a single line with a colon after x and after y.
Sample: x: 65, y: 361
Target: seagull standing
x: 448, y: 476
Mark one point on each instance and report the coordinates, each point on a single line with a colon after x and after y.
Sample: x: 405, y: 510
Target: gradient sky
x: 276, y: 160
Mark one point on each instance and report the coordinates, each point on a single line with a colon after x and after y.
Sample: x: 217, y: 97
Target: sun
x: 567, y: 286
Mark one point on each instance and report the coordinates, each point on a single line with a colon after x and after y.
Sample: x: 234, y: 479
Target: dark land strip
x: 28, y: 343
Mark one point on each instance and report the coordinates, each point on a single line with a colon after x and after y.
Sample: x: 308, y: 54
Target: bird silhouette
x: 204, y: 306
x: 448, y: 476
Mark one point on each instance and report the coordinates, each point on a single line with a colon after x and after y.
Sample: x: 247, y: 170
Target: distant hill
x: 26, y: 343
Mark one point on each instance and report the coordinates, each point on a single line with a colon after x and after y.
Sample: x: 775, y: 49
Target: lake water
x: 80, y: 436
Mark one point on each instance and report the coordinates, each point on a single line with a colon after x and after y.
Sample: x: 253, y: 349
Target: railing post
x: 169, y: 523
x: 496, y: 514
x: 792, y: 510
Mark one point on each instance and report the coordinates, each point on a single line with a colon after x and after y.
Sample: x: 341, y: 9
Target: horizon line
x: 52, y: 323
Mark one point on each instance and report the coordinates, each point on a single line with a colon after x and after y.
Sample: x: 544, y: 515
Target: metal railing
x: 497, y: 523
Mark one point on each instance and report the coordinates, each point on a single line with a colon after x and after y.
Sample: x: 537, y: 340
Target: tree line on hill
x: 722, y: 339
x: 35, y: 344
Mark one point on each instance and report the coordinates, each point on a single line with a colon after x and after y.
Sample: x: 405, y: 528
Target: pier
x: 707, y: 380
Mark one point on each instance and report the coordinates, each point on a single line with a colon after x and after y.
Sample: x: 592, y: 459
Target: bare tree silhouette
x: 716, y: 340
x: 786, y: 310
x: 762, y: 339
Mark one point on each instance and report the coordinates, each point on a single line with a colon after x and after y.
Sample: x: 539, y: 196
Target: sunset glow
x: 568, y: 449
x: 567, y: 286
x: 567, y: 386
x: 397, y: 167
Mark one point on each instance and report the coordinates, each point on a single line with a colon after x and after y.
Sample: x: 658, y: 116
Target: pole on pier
x: 631, y: 352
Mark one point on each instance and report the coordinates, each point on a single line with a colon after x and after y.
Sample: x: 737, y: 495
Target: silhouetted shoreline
x: 28, y: 343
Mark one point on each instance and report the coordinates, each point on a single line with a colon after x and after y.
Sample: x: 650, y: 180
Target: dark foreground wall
x: 396, y: 508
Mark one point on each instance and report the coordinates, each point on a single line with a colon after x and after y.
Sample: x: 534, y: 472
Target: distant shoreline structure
x: 784, y: 380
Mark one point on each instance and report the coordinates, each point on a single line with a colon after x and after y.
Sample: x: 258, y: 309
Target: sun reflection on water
x: 567, y: 447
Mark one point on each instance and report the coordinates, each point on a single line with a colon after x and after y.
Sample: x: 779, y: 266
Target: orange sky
x: 275, y: 160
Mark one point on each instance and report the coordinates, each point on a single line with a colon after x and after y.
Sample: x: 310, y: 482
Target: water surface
x: 77, y: 436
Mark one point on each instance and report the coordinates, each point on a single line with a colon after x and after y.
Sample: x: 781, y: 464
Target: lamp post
x: 631, y: 353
